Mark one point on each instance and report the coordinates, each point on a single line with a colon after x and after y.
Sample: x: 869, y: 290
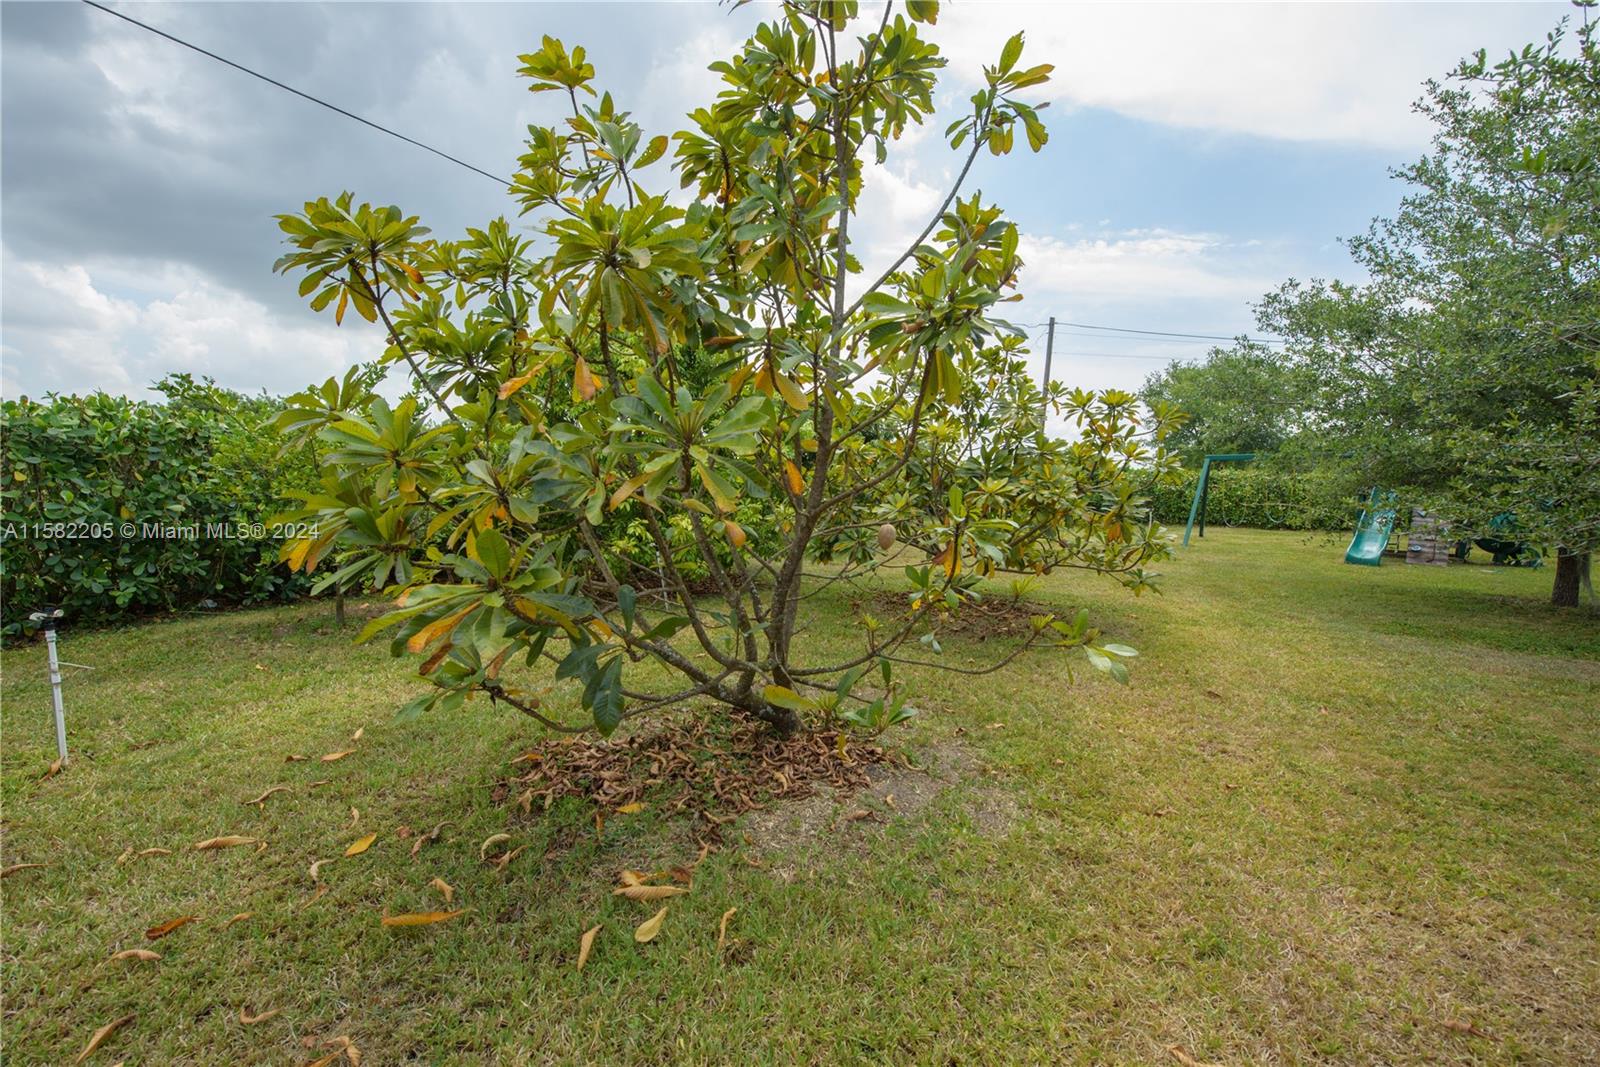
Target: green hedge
x: 88, y: 485
x: 1265, y: 498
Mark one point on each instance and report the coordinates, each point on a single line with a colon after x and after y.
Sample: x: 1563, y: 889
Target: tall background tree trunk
x: 1569, y: 574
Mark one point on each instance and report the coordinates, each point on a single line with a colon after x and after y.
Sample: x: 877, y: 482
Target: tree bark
x: 338, y: 609
x: 1569, y: 576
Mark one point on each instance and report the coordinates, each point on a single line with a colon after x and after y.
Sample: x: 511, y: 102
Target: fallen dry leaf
x: 295, y: 759
x: 403, y: 832
x: 100, y: 1036
x: 143, y: 954
x: 157, y: 932
x: 315, y: 867
x: 705, y: 850
x: 527, y: 757
x: 1177, y: 1052
x: 358, y: 847
x: 50, y: 772
x: 275, y: 789
x: 357, y: 735
x: 722, y: 928
x: 1161, y: 813
x: 889, y: 800
x: 335, y: 756
x: 421, y: 918
x: 632, y: 878
x: 239, y: 918
x: 680, y: 874
x: 489, y: 842
x: 322, y: 891
x: 318, y: 782
x: 261, y: 847
x: 127, y: 854
x: 250, y: 1020
x: 355, y: 815
x: 995, y: 726
x: 649, y: 892
x: 650, y: 927
x: 156, y: 852
x: 431, y: 835
x: 1464, y: 1028
x: 261, y: 666
x: 501, y: 862
x: 445, y: 889
x: 223, y: 842
x: 1213, y: 694
x: 586, y: 945
x: 324, y: 1061
x: 15, y: 867
x: 631, y: 809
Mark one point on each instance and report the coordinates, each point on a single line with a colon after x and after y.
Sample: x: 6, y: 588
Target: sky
x: 1199, y: 155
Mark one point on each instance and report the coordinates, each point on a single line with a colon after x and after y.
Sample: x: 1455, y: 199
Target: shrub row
x: 1265, y: 498
x: 100, y: 494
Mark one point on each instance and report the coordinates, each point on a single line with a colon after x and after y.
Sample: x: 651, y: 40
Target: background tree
x: 1465, y: 370
x: 641, y: 364
x: 1239, y: 399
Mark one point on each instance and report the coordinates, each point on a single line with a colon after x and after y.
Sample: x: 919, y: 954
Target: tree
x: 644, y: 364
x: 1241, y: 399
x: 1466, y: 368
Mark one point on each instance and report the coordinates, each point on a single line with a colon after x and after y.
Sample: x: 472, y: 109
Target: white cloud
x: 68, y: 330
x: 1304, y: 72
x: 1142, y: 266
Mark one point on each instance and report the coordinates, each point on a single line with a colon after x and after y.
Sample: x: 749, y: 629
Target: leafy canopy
x: 646, y: 427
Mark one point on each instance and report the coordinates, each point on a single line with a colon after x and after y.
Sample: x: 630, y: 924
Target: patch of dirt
x: 895, y: 792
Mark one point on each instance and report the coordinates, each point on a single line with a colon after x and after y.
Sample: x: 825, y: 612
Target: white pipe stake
x: 55, y: 693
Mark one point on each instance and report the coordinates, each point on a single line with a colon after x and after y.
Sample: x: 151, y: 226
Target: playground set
x: 1427, y: 540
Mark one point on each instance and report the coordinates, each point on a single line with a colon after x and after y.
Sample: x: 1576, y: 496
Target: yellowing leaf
x: 250, y: 1020
x: 436, y: 629
x: 722, y: 928
x: 157, y: 932
x: 143, y: 954
x: 791, y: 475
x: 584, y: 385
x: 358, y: 847
x: 489, y: 842
x: 357, y: 735
x: 100, y: 1036
x: 334, y: 757
x: 445, y: 889
x: 631, y: 809
x: 632, y: 878
x: 649, y: 892
x: 511, y: 385
x: 791, y: 392
x: 586, y: 945
x: 650, y: 927
x: 421, y: 918
x: 736, y: 535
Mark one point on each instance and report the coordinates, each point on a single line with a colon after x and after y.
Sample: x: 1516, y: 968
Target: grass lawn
x: 1338, y: 810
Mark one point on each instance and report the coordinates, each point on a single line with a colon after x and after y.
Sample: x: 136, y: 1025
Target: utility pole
x: 1049, y: 351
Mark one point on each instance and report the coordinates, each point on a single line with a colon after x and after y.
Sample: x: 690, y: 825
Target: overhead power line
x: 303, y: 95
x: 1158, y: 333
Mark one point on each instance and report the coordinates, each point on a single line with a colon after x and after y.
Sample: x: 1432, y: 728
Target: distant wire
x: 1158, y: 333
x: 297, y: 92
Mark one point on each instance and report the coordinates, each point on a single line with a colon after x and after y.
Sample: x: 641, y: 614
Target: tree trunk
x: 1569, y: 575
x: 338, y: 609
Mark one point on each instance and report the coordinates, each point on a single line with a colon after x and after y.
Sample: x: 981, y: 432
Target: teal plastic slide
x: 1372, y: 530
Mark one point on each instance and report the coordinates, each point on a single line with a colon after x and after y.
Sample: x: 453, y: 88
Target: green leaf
x: 784, y: 697
x: 490, y: 549
x: 627, y: 600
x: 1011, y: 53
